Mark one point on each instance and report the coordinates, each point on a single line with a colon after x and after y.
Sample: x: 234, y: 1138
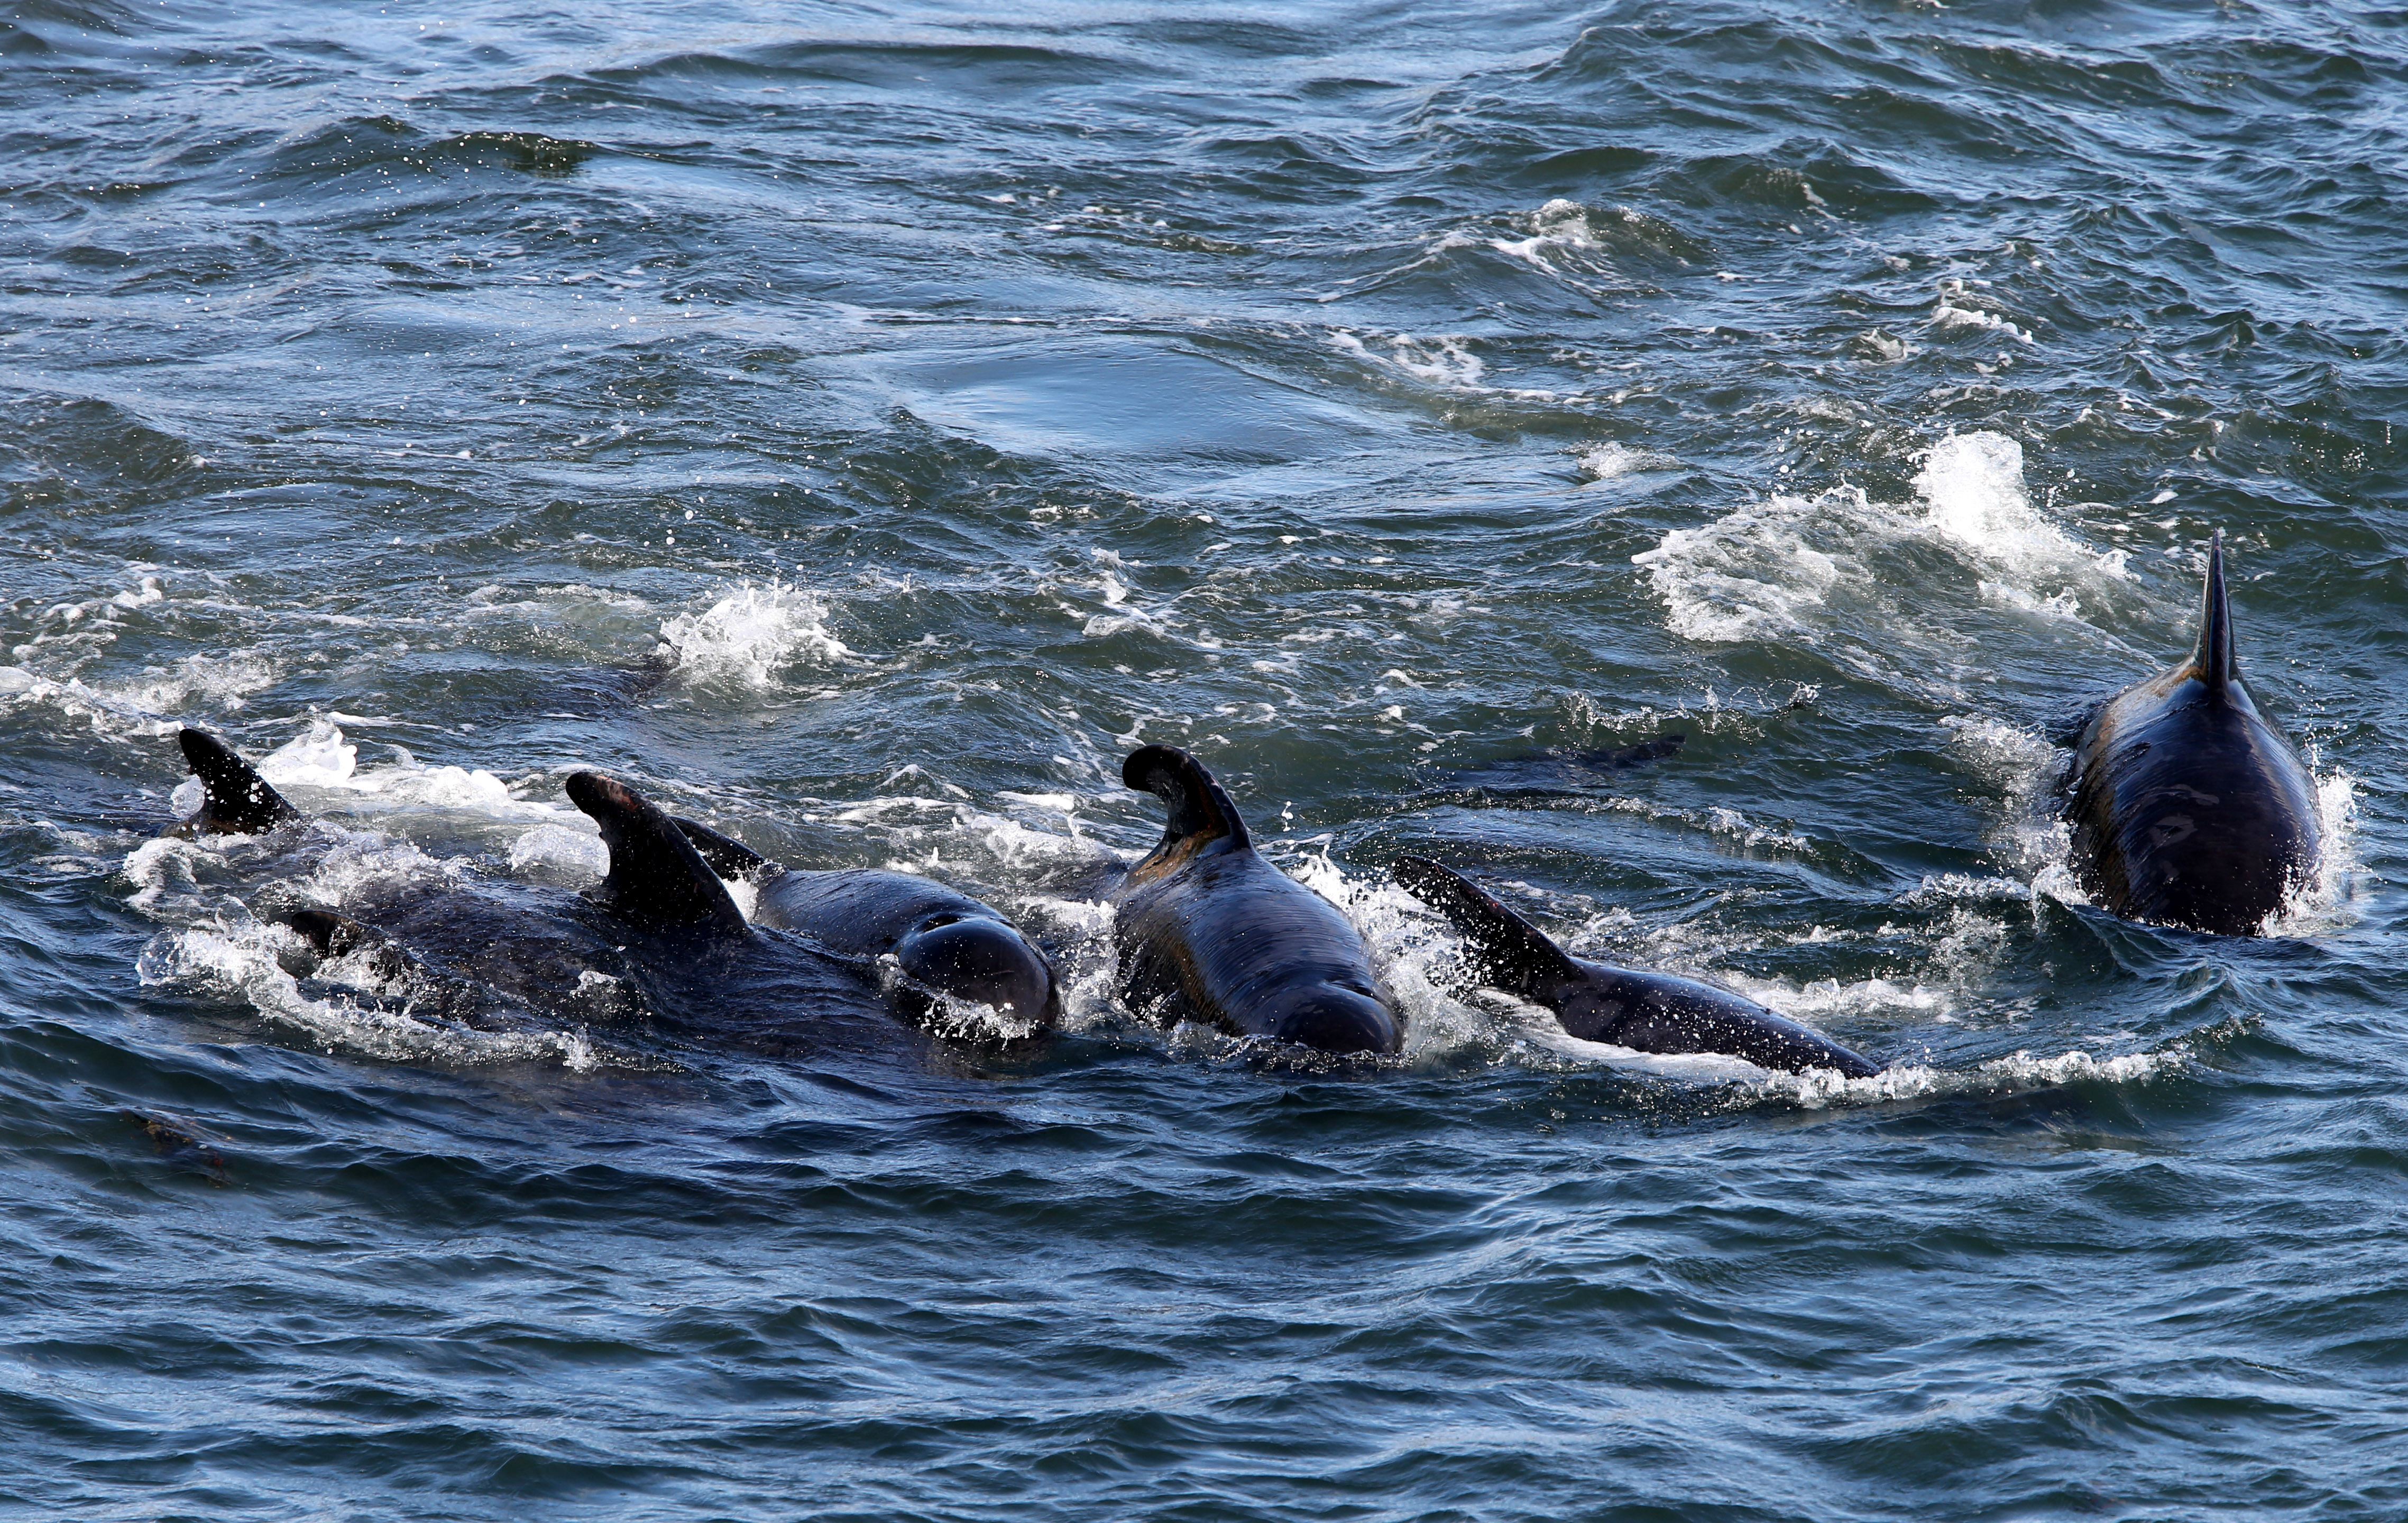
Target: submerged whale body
x: 1648, y: 1013
x: 2188, y: 805
x: 1210, y: 931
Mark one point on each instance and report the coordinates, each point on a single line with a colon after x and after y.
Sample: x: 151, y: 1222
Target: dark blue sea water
x: 860, y: 425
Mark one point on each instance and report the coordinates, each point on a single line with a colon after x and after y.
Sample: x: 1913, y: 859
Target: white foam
x: 560, y: 851
x: 751, y: 632
x: 1820, y: 1088
x: 1557, y: 226
x: 2322, y: 902
x: 238, y: 958
x: 2030, y: 834
x: 1972, y: 490
x: 1947, y: 315
x: 1609, y: 461
x: 323, y: 759
x: 1750, y: 574
x: 1850, y: 998
x: 1437, y: 362
x: 224, y: 681
x: 1766, y: 571
x: 319, y: 759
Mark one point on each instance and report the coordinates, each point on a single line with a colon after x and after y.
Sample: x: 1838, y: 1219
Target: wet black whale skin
x: 2188, y: 807
x: 1210, y: 931
x: 1648, y: 1013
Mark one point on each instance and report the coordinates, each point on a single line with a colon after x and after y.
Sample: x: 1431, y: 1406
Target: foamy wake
x: 321, y: 759
x: 1435, y: 361
x: 238, y: 958
x: 750, y: 633
x: 1763, y: 572
x: 2322, y: 903
x: 2017, y: 1072
x: 2029, y: 836
x: 144, y: 705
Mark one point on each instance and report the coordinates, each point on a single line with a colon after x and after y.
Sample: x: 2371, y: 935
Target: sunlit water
x: 861, y: 427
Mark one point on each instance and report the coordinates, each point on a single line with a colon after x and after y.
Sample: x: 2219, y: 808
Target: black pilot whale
x: 940, y: 938
x: 2188, y: 807
x: 660, y: 887
x: 1649, y: 1013
x: 1210, y: 931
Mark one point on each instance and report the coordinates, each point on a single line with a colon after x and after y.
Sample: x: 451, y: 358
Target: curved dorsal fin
x: 236, y: 800
x: 1200, y: 810
x: 657, y: 879
x: 1515, y: 955
x: 2213, y: 657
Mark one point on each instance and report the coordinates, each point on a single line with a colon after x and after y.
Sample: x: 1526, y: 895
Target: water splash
x: 752, y: 631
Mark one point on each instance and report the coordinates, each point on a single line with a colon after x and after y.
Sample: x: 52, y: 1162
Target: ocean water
x: 862, y: 425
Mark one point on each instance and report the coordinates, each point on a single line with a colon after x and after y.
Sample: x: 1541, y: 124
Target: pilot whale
x: 1210, y: 931
x: 1649, y: 1013
x: 662, y: 918
x: 940, y: 938
x: 2188, y: 807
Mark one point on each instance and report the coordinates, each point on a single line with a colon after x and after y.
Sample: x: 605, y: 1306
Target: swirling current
x: 861, y: 424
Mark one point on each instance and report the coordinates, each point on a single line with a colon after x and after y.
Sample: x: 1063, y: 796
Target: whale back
x: 236, y: 800
x: 657, y: 880
x: 1508, y: 951
x: 1202, y: 819
x: 2189, y: 806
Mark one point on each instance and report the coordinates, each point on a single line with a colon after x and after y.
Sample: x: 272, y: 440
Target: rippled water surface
x: 861, y: 426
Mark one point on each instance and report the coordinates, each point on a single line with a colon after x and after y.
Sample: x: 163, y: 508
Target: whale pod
x: 2188, y: 806
x: 1210, y: 931
x: 1648, y: 1013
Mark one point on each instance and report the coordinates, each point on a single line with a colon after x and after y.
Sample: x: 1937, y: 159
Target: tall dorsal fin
x: 727, y: 856
x: 1200, y: 810
x: 1515, y: 954
x: 657, y: 879
x: 235, y: 801
x: 2213, y: 656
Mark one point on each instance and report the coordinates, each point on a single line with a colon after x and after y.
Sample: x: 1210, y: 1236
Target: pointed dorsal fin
x: 727, y: 856
x: 2213, y: 655
x: 1515, y: 955
x: 657, y: 879
x: 1200, y: 810
x: 235, y: 801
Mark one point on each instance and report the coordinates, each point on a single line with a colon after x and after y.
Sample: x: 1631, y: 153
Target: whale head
x: 984, y: 961
x: 1333, y: 1018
